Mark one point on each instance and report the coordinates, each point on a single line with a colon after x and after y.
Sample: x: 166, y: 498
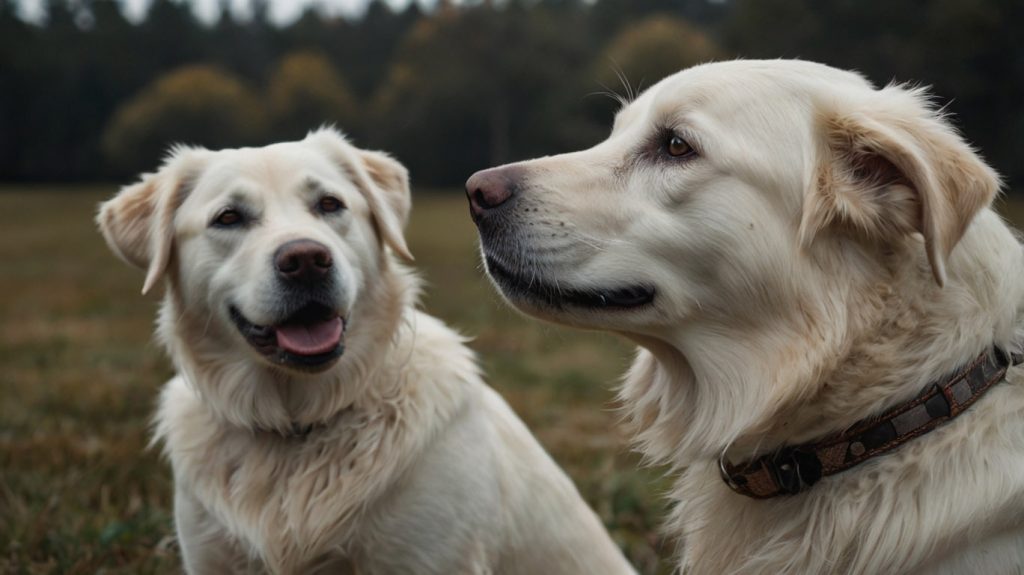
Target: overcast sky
x: 281, y: 11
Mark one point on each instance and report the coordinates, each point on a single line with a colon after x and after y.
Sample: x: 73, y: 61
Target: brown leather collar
x: 793, y: 469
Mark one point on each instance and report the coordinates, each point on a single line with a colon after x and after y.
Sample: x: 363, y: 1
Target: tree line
x: 90, y: 95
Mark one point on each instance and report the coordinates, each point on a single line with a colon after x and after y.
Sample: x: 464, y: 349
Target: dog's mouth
x: 541, y: 291
x: 311, y: 339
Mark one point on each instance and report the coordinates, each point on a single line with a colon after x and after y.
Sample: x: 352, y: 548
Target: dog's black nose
x: 303, y: 261
x: 490, y: 189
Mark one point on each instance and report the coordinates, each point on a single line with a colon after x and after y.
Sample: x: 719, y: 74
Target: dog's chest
x: 292, y: 501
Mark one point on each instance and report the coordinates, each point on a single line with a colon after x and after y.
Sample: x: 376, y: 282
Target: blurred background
x: 96, y: 89
x: 93, y: 91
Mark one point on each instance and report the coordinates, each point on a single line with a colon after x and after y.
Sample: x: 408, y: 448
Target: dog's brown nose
x: 304, y: 261
x: 489, y: 189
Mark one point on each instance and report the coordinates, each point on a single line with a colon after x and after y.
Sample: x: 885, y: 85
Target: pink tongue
x: 312, y: 339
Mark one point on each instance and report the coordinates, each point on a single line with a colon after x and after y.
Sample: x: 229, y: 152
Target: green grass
x: 80, y: 492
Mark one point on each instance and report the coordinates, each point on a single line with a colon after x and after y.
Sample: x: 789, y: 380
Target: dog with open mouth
x: 319, y: 422
x: 827, y: 306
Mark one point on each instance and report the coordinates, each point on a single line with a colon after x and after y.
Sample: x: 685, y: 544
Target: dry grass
x: 81, y: 493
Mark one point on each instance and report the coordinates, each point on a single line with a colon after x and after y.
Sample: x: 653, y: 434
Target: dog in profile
x: 827, y: 306
x: 320, y: 423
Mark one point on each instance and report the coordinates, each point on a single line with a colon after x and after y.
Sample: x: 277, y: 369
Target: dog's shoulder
x: 436, y: 351
x: 179, y: 407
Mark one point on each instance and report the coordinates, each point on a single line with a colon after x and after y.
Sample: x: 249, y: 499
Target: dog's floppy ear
x: 138, y: 223
x: 383, y: 181
x: 893, y: 165
x: 393, y: 179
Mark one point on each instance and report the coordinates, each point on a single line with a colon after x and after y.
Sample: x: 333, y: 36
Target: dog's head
x: 728, y: 191
x: 273, y: 248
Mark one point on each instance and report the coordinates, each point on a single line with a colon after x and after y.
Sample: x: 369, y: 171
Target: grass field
x: 80, y: 492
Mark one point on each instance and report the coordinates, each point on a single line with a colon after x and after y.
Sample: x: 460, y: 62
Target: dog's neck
x: 854, y: 350
x: 246, y: 393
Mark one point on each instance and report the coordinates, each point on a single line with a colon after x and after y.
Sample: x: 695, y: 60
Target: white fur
x: 829, y: 251
x: 413, y: 466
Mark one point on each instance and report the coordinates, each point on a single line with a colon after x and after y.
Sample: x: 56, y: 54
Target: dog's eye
x: 229, y: 218
x: 678, y: 147
x: 329, y: 205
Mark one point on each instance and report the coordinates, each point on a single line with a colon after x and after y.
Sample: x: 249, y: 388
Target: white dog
x: 796, y: 252
x: 319, y: 422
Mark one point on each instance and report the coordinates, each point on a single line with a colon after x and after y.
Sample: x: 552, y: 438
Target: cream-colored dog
x: 795, y: 251
x: 320, y: 423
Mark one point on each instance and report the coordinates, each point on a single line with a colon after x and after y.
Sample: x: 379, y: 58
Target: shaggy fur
x: 413, y: 465
x: 828, y: 250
